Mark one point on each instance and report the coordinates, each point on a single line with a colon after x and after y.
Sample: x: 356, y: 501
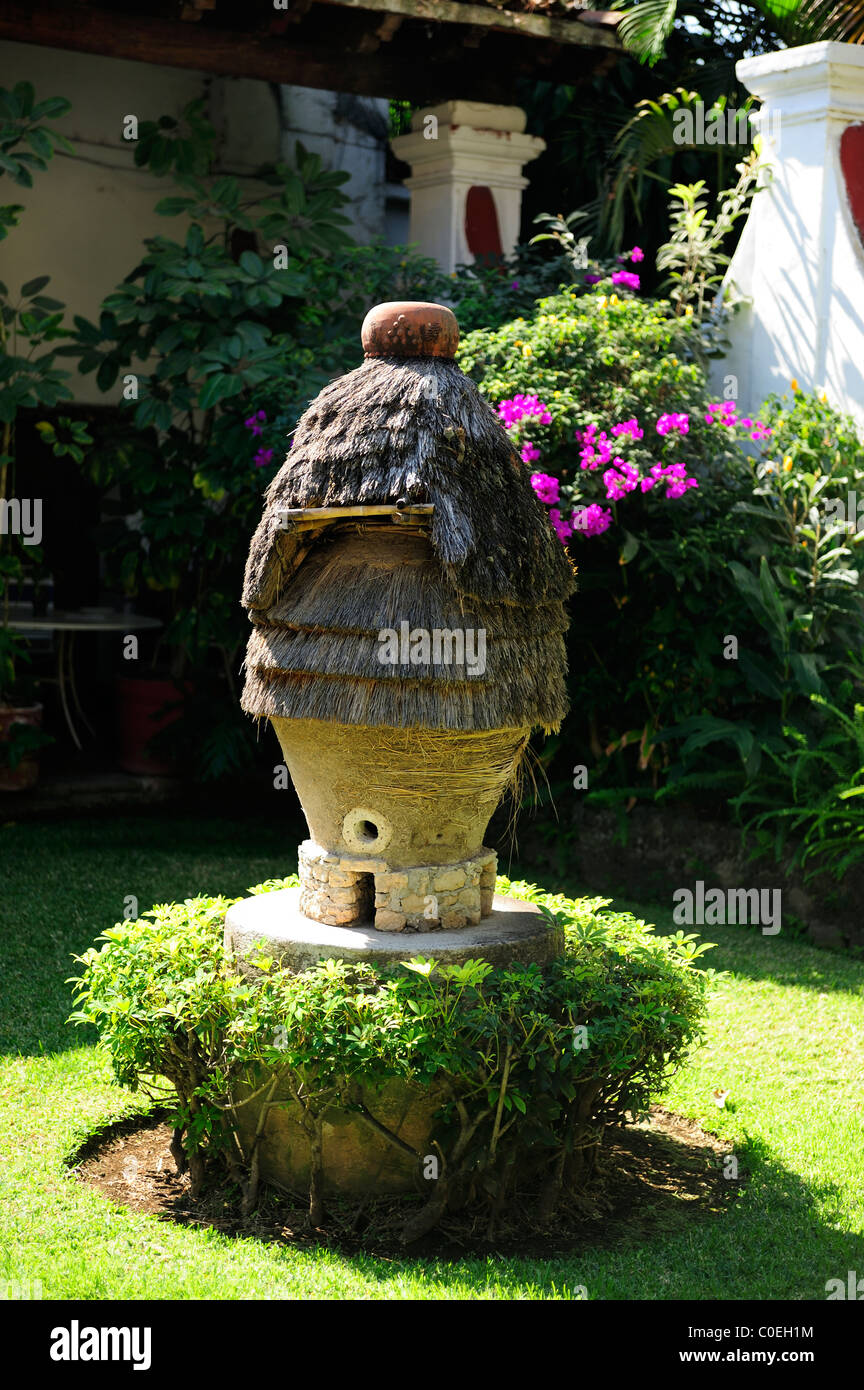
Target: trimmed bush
x: 531, y: 1064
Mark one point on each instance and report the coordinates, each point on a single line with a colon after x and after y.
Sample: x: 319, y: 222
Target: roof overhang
x: 426, y: 49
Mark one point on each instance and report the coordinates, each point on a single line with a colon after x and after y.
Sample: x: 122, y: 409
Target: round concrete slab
x: 516, y: 931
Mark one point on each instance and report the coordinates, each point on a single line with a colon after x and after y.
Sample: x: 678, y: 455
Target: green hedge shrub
x: 741, y: 544
x: 533, y: 1064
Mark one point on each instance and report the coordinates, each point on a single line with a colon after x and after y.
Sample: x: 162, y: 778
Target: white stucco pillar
x: 801, y: 256
x: 457, y: 147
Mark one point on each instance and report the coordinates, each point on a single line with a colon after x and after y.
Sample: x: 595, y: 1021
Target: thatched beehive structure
x: 407, y: 599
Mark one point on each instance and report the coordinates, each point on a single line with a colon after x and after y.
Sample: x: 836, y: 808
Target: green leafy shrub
x: 607, y: 397
x: 215, y: 351
x: 801, y: 670
x: 531, y: 1064
x: 645, y: 639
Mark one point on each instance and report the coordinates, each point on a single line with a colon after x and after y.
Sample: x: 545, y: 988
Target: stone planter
x: 355, y: 1159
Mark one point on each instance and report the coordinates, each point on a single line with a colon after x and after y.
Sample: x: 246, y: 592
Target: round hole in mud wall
x: 365, y: 831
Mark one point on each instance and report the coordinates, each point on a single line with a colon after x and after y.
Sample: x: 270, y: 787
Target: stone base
x: 356, y: 1159
x: 515, y: 931
x: 346, y: 890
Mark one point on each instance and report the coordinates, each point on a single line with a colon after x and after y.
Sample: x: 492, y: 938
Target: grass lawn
x: 786, y: 1039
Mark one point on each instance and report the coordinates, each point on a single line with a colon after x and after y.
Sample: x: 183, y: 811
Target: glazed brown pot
x: 26, y: 773
x: 409, y: 328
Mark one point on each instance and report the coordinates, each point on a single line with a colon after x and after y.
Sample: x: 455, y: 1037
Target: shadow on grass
x: 662, y: 1221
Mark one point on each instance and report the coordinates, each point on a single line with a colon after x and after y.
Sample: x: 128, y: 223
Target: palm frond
x: 645, y: 29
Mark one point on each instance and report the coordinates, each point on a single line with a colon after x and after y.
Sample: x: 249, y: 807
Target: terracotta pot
x: 26, y: 773
x: 141, y: 714
x: 405, y: 328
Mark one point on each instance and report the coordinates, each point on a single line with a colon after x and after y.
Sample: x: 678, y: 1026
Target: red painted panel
x: 481, y: 224
x: 852, y: 164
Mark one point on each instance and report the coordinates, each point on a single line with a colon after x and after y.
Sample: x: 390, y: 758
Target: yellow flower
x: 823, y: 397
x: 602, y: 301
x: 689, y: 311
x: 787, y: 463
x: 794, y: 383
x: 613, y: 299
x: 526, y: 352
x: 517, y: 342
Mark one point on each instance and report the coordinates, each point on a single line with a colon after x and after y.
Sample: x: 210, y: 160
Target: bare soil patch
x: 655, y: 1176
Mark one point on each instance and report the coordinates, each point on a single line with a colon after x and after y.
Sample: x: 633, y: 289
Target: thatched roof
x: 417, y: 429
x: 414, y: 429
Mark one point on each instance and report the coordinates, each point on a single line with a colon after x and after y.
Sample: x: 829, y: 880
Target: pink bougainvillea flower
x: 592, y: 520
x: 628, y: 278
x: 630, y: 427
x: 510, y: 412
x: 622, y: 478
x: 595, y: 450
x: 252, y: 423
x: 530, y: 452
x: 675, y: 477
x: 563, y: 529
x: 515, y: 285
x: 678, y: 422
x: 546, y: 488
x: 262, y: 458
x: 637, y: 254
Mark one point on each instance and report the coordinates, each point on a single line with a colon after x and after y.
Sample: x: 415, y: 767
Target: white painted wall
x: 86, y: 218
x: 800, y: 260
x: 350, y: 133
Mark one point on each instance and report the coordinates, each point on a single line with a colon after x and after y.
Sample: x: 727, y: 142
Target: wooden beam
x: 316, y: 53
x: 574, y: 30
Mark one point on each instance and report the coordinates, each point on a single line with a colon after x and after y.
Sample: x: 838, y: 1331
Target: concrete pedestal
x: 515, y: 931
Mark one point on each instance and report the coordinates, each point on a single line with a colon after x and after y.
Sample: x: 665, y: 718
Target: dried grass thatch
x: 416, y: 429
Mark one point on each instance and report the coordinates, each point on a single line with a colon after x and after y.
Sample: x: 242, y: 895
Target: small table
x: 68, y: 625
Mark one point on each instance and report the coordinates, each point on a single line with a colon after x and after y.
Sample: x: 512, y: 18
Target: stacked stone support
x: 346, y: 890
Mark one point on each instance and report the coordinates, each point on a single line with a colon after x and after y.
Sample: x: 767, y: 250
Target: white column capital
x: 800, y: 261
x: 451, y: 148
x: 815, y: 80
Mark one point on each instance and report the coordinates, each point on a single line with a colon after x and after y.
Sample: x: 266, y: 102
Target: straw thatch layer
x: 450, y: 663
x: 384, y: 577
x: 335, y: 654
x: 400, y: 704
x: 416, y: 429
